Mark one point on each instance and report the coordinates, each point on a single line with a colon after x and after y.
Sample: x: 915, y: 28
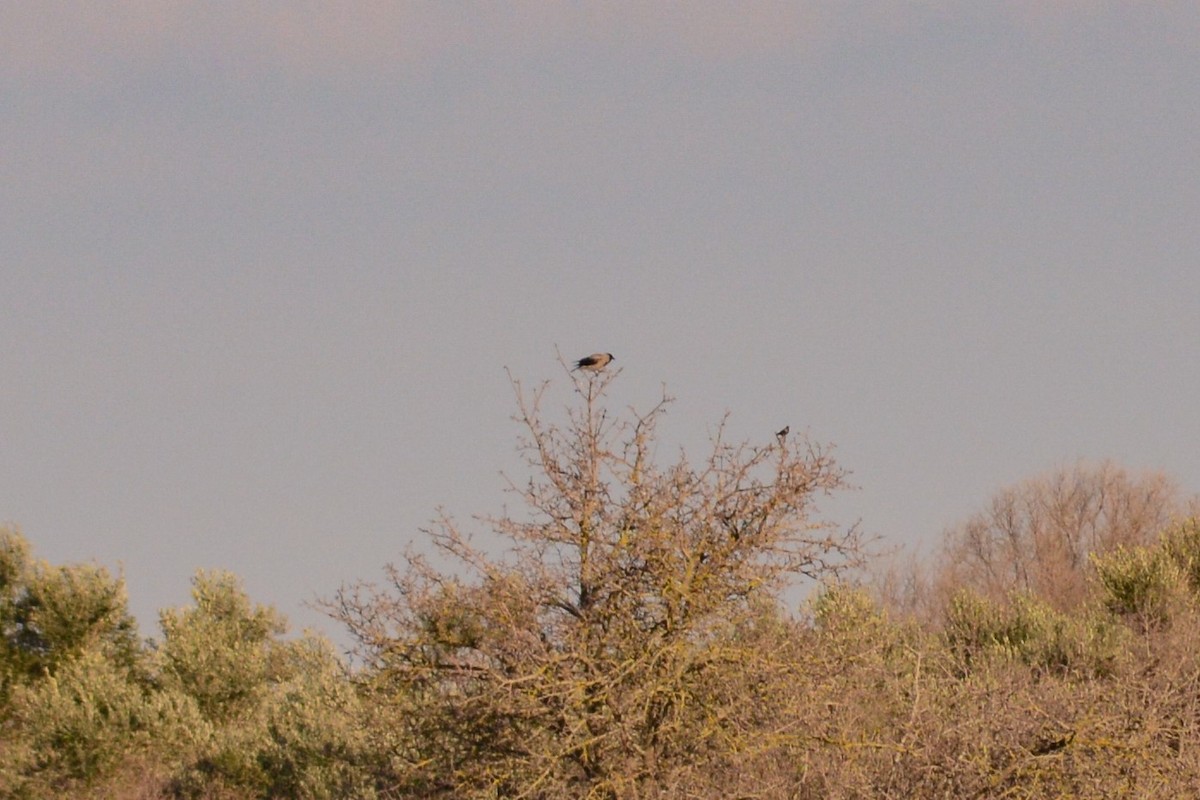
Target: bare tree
x: 1036, y: 537
x: 619, y: 650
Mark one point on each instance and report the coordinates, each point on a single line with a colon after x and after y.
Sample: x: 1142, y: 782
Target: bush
x: 222, y: 651
x: 316, y: 746
x: 81, y: 724
x: 1081, y: 644
x: 1140, y: 582
x: 50, y: 615
x: 285, y: 719
x: 1182, y: 544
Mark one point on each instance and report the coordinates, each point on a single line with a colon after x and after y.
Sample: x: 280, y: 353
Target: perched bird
x: 781, y: 435
x: 595, y: 362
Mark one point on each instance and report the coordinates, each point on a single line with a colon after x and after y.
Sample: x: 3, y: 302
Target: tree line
x: 631, y: 640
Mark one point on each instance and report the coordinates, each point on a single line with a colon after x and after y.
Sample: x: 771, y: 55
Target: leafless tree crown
x: 612, y: 653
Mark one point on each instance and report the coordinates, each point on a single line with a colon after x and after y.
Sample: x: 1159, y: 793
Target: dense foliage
x: 631, y: 643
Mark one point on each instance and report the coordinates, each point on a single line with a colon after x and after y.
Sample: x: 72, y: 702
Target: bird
x: 781, y: 435
x: 595, y: 362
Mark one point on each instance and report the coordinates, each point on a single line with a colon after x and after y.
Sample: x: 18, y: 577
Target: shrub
x: 1030, y: 631
x: 50, y: 615
x: 81, y: 724
x: 1140, y: 582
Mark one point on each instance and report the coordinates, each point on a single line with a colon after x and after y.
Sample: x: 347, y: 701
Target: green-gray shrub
x: 1140, y: 582
x: 81, y: 723
x: 1030, y: 631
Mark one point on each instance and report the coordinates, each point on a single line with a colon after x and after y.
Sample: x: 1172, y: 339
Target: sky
x: 263, y: 266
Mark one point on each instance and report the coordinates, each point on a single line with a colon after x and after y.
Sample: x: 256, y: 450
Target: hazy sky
x: 262, y: 265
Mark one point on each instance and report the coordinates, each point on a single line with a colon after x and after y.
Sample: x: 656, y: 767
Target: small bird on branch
x: 595, y: 362
x: 781, y: 435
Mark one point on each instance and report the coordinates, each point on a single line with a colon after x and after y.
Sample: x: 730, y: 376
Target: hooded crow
x: 595, y: 362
